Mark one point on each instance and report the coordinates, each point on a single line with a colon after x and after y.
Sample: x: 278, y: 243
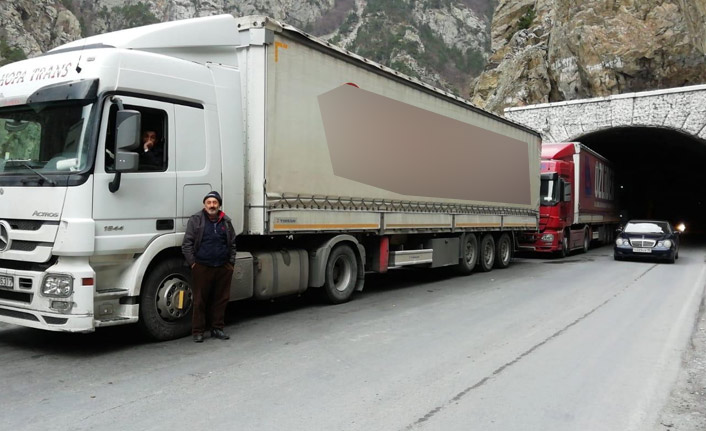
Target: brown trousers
x: 211, y: 295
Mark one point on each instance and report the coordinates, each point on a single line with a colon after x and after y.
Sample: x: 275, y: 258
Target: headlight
x: 548, y: 237
x: 621, y: 242
x: 58, y: 285
x: 666, y: 243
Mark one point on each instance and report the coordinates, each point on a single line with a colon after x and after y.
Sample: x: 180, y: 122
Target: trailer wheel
x: 161, y: 318
x: 487, y: 252
x: 341, y: 275
x: 586, y: 240
x: 470, y: 254
x: 503, y: 251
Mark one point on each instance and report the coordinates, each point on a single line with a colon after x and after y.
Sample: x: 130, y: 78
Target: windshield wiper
x: 42, y: 176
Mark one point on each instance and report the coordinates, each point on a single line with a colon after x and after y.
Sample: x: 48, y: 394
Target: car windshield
x: 646, y: 227
x: 49, y: 140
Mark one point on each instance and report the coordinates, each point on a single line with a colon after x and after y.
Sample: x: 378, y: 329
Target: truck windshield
x: 549, y: 191
x: 44, y: 141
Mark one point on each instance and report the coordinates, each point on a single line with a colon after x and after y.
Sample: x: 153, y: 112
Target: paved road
x: 583, y: 343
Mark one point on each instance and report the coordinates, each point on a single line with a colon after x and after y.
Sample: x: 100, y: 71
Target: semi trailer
x: 330, y: 165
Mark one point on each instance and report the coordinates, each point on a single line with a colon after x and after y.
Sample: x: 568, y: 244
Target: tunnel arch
x: 660, y: 172
x: 656, y: 141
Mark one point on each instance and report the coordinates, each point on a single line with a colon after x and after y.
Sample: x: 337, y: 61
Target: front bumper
x: 24, y: 303
x: 654, y: 253
x: 537, y: 242
x: 45, y: 320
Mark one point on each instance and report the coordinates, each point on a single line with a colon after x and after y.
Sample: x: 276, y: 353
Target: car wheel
x: 617, y: 257
x: 671, y: 259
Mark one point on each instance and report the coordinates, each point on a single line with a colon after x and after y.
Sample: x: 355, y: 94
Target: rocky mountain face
x: 535, y: 51
x: 555, y: 50
x: 443, y: 42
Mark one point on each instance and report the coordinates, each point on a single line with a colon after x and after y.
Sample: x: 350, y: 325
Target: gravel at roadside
x: 686, y: 408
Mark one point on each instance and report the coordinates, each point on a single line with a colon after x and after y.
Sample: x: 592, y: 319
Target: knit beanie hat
x: 214, y: 194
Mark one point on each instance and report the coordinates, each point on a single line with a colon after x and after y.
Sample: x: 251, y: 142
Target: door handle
x: 166, y: 224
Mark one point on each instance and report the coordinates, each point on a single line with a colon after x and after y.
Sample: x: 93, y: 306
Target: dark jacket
x: 194, y: 234
x: 152, y: 160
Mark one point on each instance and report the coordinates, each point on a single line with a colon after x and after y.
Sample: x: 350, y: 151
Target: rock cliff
x: 554, y: 50
x: 442, y: 42
x: 535, y: 51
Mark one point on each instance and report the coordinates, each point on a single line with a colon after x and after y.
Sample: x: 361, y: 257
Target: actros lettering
x: 44, y: 214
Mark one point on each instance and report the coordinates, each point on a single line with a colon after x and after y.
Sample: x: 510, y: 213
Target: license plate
x: 6, y: 281
x: 642, y: 250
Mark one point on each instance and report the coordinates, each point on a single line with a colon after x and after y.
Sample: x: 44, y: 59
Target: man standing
x: 209, y: 249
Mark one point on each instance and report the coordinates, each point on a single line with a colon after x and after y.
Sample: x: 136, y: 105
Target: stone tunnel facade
x: 680, y: 109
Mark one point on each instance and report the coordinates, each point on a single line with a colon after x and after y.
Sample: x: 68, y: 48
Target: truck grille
x: 31, y: 225
x: 29, y: 240
x: 645, y: 243
x: 24, y: 245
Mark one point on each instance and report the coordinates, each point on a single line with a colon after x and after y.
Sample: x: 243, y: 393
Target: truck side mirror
x: 566, y: 191
x: 127, y: 139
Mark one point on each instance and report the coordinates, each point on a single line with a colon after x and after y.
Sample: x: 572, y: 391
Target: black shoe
x: 218, y: 333
x: 198, y: 338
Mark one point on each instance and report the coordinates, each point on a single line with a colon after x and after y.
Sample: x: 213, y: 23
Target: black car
x: 652, y: 239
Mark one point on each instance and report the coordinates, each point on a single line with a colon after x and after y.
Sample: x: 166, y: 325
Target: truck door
x: 144, y: 206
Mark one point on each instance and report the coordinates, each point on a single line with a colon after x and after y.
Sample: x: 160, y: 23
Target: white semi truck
x: 330, y: 165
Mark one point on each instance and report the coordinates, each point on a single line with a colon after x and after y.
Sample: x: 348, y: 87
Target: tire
x: 586, y: 240
x: 160, y: 319
x: 341, y: 275
x: 565, y: 245
x: 617, y: 257
x: 672, y: 259
x: 487, y: 253
x: 503, y: 251
x: 469, y: 255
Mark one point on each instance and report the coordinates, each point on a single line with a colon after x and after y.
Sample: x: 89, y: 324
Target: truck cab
x: 576, y: 200
x: 82, y: 220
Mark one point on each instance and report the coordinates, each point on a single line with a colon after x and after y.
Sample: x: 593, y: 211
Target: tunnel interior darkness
x: 660, y: 173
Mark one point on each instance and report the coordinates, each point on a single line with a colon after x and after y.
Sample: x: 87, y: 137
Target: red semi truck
x: 577, y: 198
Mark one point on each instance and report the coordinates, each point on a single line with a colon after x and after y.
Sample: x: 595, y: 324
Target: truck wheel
x: 161, y: 318
x: 503, y: 251
x: 341, y: 275
x: 586, y: 240
x: 470, y: 255
x: 487, y: 252
x: 564, y: 245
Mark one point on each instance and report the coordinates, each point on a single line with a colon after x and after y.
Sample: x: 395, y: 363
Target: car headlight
x: 666, y: 243
x: 621, y: 242
x: 59, y: 285
x: 548, y: 237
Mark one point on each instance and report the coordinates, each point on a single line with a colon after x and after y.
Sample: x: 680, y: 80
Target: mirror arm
x: 118, y: 102
x: 114, y: 185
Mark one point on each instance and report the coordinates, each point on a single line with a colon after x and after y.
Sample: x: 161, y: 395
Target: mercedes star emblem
x: 4, y: 236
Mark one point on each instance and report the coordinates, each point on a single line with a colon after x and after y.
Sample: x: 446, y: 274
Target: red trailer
x: 577, y: 198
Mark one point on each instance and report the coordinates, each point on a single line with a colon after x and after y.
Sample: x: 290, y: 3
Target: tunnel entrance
x: 660, y: 173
